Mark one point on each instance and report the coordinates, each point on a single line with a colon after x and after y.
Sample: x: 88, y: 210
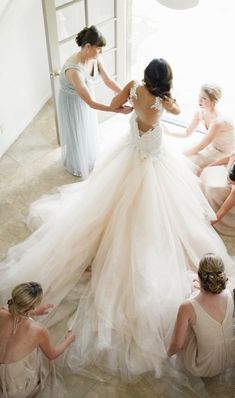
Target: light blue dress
x: 78, y: 123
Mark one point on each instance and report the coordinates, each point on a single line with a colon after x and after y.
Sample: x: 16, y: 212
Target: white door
x: 65, y: 18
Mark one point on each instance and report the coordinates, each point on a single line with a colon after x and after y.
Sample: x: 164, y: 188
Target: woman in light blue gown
x: 77, y: 119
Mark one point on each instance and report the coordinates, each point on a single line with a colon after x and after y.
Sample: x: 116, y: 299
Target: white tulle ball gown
x: 142, y: 223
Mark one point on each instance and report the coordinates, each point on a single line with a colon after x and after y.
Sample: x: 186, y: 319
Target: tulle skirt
x: 141, y: 225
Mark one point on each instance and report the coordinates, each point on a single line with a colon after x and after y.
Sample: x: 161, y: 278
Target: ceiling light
x: 179, y: 4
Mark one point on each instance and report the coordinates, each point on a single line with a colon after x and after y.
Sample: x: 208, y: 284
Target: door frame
x: 53, y: 52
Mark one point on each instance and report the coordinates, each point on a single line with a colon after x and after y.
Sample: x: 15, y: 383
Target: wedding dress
x: 142, y: 223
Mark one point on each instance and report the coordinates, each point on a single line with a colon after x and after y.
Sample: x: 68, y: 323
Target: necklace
x: 16, y: 320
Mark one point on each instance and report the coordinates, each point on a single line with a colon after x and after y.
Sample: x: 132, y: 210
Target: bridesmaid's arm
x: 189, y: 130
x: 41, y: 310
x: 213, y: 130
x: 107, y: 79
x: 228, y: 204
x: 77, y: 82
x: 181, y: 328
x: 220, y: 162
x: 231, y: 160
x: 80, y: 87
x: 47, y: 348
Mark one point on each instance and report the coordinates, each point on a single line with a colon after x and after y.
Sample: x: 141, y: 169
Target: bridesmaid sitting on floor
x: 219, y: 139
x: 204, y: 325
x: 218, y: 184
x: 25, y: 348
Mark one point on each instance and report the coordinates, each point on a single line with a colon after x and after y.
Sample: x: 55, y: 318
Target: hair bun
x: 211, y: 273
x: 80, y: 38
x: 213, y: 91
x: 158, y: 78
x: 90, y: 35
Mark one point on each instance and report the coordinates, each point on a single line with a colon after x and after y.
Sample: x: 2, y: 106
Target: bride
x: 140, y: 223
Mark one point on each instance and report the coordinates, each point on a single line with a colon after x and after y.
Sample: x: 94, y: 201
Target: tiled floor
x: 31, y: 168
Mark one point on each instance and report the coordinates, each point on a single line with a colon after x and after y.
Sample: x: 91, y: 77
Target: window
x: 198, y: 44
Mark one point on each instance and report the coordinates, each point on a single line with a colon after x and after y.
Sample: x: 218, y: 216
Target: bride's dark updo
x: 90, y: 35
x: 158, y: 78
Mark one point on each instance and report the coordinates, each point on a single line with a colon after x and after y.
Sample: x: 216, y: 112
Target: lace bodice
x: 148, y: 143
x: 133, y: 96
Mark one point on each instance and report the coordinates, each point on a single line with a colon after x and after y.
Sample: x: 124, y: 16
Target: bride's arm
x: 171, y: 106
x: 121, y: 98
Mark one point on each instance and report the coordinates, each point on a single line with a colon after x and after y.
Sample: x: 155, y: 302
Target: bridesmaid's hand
x: 125, y: 109
x: 42, y: 310
x: 196, y: 284
x: 70, y: 336
x: 200, y: 170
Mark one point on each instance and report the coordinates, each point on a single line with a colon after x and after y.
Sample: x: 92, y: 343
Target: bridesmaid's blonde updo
x: 211, y: 274
x: 25, y: 297
x: 213, y: 91
x: 92, y: 36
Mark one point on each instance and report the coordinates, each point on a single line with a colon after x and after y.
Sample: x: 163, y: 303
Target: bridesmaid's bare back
x: 15, y: 345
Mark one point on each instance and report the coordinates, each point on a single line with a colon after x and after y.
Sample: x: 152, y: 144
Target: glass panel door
x: 64, y: 19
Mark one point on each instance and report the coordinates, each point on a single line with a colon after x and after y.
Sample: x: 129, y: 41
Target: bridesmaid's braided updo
x: 211, y: 274
x: 25, y: 297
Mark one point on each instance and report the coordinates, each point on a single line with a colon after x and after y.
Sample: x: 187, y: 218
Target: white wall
x: 24, y: 74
